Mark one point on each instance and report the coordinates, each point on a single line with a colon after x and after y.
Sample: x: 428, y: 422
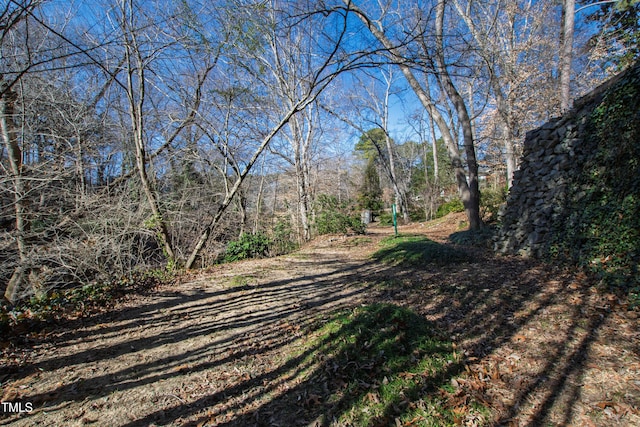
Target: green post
x: 395, y: 219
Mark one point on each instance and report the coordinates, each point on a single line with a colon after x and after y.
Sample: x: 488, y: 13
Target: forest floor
x: 537, y: 345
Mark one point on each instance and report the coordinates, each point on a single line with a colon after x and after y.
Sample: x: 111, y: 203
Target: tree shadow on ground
x: 506, y: 306
x: 490, y: 305
x: 370, y: 364
x: 228, y: 356
x: 177, y: 333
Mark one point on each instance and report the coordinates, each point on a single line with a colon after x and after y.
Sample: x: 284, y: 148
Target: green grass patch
x: 478, y: 238
x: 382, y: 364
x: 239, y: 281
x: 416, y: 251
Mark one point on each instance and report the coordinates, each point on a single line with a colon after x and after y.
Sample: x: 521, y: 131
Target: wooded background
x: 150, y: 134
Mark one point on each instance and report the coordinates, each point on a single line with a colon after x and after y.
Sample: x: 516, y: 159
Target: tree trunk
x: 303, y: 206
x: 434, y: 151
x: 301, y: 144
x: 471, y: 198
x: 259, y: 199
x: 568, y: 14
x: 434, y: 193
x: 401, y: 200
x: 468, y: 191
x: 7, y: 127
x: 510, y: 154
x: 136, y: 97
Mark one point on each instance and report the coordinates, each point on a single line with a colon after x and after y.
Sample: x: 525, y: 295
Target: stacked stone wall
x: 538, y: 204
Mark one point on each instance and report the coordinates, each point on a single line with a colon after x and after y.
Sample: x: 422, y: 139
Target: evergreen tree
x: 370, y: 196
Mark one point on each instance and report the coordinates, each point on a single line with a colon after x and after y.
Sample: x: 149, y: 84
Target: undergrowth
x: 336, y: 217
x: 446, y: 208
x: 248, y: 246
x: 38, y: 311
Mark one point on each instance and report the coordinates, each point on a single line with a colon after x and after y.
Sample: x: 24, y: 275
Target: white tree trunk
x: 568, y: 12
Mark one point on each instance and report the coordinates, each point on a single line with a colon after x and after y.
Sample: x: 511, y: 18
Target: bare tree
x: 316, y: 77
x: 13, y: 28
x: 473, y: 198
x: 468, y: 189
x: 379, y: 87
x: 516, y: 48
x: 293, y: 56
x: 8, y: 129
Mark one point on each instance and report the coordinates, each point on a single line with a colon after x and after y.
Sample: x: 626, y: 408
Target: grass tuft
x: 411, y: 251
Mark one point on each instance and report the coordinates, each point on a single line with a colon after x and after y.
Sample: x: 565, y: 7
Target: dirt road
x: 541, y: 346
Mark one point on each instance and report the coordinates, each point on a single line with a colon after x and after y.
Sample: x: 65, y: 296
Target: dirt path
x: 212, y: 343
x: 541, y: 347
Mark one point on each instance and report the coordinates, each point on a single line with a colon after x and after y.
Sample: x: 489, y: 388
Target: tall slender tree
x: 467, y: 185
x: 313, y: 80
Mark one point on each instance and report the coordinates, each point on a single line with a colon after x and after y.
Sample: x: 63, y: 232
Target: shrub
x: 247, y: 246
x: 335, y: 217
x: 491, y: 199
x: 454, y: 205
x: 386, y: 218
x: 282, y: 241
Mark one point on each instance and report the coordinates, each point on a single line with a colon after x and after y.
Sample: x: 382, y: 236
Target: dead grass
x: 538, y: 346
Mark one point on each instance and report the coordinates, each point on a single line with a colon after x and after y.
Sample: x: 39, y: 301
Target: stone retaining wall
x: 553, y: 157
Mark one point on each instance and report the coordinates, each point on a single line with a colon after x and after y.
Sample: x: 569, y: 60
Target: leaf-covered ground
x: 333, y: 335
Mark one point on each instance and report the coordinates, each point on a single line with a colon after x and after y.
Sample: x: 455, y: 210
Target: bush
x: 491, y: 199
x: 282, y: 241
x: 247, y: 246
x: 338, y: 223
x: 337, y: 218
x: 454, y: 205
x: 386, y: 218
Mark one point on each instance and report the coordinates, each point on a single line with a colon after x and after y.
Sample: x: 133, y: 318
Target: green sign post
x: 395, y: 219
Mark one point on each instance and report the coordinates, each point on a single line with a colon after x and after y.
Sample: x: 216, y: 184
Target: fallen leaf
x: 373, y: 397
x: 519, y: 338
x: 313, y: 400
